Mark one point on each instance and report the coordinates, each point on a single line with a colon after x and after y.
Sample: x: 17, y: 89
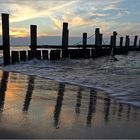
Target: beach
x: 33, y: 107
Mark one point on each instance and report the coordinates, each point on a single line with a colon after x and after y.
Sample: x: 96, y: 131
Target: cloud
x: 81, y: 14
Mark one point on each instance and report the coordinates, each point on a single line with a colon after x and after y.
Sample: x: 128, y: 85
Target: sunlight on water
x: 48, y: 109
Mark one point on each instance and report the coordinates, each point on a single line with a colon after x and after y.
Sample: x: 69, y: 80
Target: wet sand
x: 32, y: 107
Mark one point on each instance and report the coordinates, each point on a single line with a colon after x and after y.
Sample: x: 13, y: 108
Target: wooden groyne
x: 55, y: 52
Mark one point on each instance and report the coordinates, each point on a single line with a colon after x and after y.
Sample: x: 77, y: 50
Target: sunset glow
x: 83, y: 16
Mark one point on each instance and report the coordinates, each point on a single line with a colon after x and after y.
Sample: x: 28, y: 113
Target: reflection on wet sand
x: 58, y: 105
x: 78, y: 103
x: 3, y: 88
x: 92, y: 108
x: 29, y: 93
x: 106, y: 109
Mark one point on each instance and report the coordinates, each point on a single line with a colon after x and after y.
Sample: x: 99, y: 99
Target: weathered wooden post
x: 98, y: 42
x: 121, y: 41
x: 97, y: 36
x: 6, y: 39
x: 23, y: 56
x: 84, y: 53
x: 33, y: 33
x: 65, y: 35
x: 111, y: 40
x: 135, y: 41
x: 114, y: 38
x: 65, y: 40
x: 114, y: 42
x: 14, y: 57
x: 101, y: 39
x: 84, y: 40
x: 33, y: 41
x: 127, y: 41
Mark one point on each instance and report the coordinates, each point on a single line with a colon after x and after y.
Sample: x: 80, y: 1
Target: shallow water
x: 120, y: 79
x: 32, y: 107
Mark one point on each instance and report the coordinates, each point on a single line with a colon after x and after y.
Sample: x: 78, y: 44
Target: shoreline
x: 99, y: 89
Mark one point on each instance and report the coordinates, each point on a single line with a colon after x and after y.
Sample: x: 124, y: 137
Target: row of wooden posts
x: 64, y: 50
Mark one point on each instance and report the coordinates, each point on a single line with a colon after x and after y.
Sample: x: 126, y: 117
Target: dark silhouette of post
x: 58, y: 105
x: 127, y: 41
x: 121, y: 41
x: 29, y: 93
x: 101, y: 39
x: 114, y: 39
x: 6, y: 39
x: 135, y: 41
x: 78, y: 103
x: 33, y: 34
x: 92, y: 106
x: 65, y: 36
x: 3, y: 88
x: 98, y: 42
x: 97, y: 36
x: 111, y: 41
x: 84, y: 40
x: 114, y: 42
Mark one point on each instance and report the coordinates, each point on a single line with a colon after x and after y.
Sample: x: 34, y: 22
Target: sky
x: 82, y: 15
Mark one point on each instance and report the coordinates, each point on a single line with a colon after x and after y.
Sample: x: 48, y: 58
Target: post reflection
x: 120, y: 110
x: 29, y: 93
x: 78, y: 102
x: 128, y: 112
x: 3, y: 88
x: 107, y: 103
x: 92, y: 106
x: 58, y: 105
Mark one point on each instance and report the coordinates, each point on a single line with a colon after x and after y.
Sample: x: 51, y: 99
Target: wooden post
x: 33, y: 33
x: 6, y: 39
x: 114, y: 39
x: 98, y: 42
x: 121, y: 41
x: 135, y: 41
x: 65, y: 36
x: 45, y: 54
x: 55, y: 54
x: 101, y: 39
x: 127, y: 42
x: 23, y: 56
x: 111, y: 40
x: 84, y: 40
x: 97, y: 37
x: 15, y: 56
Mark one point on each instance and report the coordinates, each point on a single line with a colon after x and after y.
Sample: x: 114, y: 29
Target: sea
x: 120, y: 80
